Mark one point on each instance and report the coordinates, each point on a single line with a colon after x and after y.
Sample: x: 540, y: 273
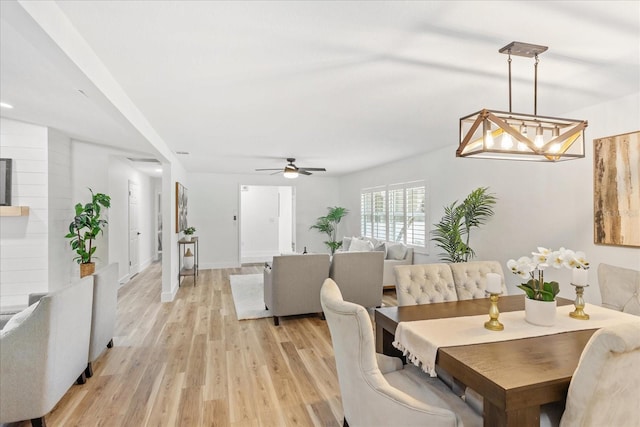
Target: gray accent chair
x: 103, y: 320
x: 292, y: 284
x: 43, y: 351
x: 619, y: 288
x: 376, y: 389
x: 359, y: 276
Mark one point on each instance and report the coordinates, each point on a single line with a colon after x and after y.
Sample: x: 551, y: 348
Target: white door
x: 134, y: 233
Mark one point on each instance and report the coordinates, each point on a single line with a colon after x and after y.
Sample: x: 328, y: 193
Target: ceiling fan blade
x: 276, y: 173
x: 303, y: 172
x: 313, y: 169
x: 278, y: 169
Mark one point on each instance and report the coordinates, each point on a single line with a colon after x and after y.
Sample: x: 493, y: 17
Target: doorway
x: 134, y: 232
x: 267, y: 222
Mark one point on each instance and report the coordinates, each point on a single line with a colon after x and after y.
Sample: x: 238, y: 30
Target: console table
x: 191, y: 271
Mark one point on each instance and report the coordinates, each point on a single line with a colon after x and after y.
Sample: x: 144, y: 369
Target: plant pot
x: 540, y: 313
x: 87, y: 269
x: 187, y: 238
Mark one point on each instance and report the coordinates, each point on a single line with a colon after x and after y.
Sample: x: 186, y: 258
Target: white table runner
x: 419, y: 340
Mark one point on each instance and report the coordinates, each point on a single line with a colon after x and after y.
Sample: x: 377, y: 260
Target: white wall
x: 61, y: 210
x: 539, y: 204
x: 285, y: 221
x: 214, y: 200
x: 24, y: 245
x: 172, y: 173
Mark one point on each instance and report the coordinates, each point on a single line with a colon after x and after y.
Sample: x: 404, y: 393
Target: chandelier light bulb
x: 507, y: 143
x: 488, y: 135
x: 539, y: 139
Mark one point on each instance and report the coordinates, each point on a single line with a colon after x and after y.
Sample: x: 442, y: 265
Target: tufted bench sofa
x: 430, y: 283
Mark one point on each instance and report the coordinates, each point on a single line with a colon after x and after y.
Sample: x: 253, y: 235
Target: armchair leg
x: 322, y: 316
x: 276, y: 321
x: 81, y: 379
x: 88, y: 372
x: 39, y: 422
x: 110, y: 343
x: 345, y: 423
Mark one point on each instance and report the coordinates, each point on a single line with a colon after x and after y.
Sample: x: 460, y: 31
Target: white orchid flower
x: 581, y: 259
x: 557, y: 259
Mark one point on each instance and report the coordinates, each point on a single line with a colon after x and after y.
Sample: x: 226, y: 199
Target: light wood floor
x: 191, y: 363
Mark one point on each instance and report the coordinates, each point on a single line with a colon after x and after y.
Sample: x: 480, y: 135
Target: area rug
x: 248, y: 296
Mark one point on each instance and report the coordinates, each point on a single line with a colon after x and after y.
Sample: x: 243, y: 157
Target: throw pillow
x: 381, y: 247
x: 358, y: 245
x: 18, y: 318
x: 346, y: 242
x: 396, y: 251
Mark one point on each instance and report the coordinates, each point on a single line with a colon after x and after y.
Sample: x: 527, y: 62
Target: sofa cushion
x: 358, y: 245
x: 396, y: 251
x: 346, y: 242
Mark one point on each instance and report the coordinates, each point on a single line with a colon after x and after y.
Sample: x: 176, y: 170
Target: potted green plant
x: 328, y: 225
x: 453, y: 231
x: 540, y: 301
x: 188, y: 233
x: 87, y: 224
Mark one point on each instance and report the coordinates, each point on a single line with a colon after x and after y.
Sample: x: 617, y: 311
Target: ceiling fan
x: 292, y: 171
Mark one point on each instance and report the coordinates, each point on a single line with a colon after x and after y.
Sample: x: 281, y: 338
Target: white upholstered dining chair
x: 619, y: 288
x: 605, y: 388
x: 424, y: 284
x: 375, y: 389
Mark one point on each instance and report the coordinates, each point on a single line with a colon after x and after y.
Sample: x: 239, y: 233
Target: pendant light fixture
x: 490, y: 134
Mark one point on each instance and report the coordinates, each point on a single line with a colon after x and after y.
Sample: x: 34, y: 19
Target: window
x: 395, y: 213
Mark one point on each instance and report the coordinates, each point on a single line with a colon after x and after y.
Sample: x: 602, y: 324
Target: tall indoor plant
x: 328, y: 225
x: 454, y: 229
x: 85, y: 227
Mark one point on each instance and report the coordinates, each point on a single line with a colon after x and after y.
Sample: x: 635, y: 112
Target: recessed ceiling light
x: 159, y: 170
x: 5, y: 105
x: 182, y: 152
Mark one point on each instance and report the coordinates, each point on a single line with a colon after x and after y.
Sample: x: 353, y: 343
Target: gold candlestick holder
x: 579, y: 313
x: 493, y: 324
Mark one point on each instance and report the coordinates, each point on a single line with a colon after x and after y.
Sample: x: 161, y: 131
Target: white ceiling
x: 335, y: 84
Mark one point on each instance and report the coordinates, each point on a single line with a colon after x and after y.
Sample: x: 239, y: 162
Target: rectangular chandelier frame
x: 528, y: 137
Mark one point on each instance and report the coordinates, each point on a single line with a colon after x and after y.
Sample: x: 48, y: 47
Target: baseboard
x: 169, y: 296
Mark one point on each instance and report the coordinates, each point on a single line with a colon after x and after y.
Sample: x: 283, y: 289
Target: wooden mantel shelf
x: 14, y: 210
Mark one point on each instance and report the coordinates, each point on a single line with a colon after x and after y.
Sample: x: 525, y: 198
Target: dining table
x: 515, y: 377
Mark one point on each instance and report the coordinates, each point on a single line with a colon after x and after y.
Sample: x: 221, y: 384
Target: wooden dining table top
x: 515, y: 377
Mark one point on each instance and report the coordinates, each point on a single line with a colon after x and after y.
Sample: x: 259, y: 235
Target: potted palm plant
x: 453, y: 231
x: 328, y: 225
x: 87, y: 224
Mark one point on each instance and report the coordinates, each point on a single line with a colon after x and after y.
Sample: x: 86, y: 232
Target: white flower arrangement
x: 526, y: 267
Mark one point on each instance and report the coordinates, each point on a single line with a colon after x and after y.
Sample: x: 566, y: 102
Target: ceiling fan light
x: 290, y: 172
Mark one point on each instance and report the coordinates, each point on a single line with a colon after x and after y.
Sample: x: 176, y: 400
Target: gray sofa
x: 359, y: 276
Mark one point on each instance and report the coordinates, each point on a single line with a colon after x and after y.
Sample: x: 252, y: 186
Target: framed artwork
x: 181, y: 207
x: 5, y: 182
x: 616, y: 190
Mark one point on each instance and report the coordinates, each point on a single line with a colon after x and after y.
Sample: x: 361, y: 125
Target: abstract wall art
x: 616, y: 190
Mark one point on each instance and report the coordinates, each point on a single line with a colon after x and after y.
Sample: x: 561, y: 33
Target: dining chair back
x: 604, y: 387
x: 424, y: 284
x: 470, y: 278
x: 375, y: 389
x: 619, y: 288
